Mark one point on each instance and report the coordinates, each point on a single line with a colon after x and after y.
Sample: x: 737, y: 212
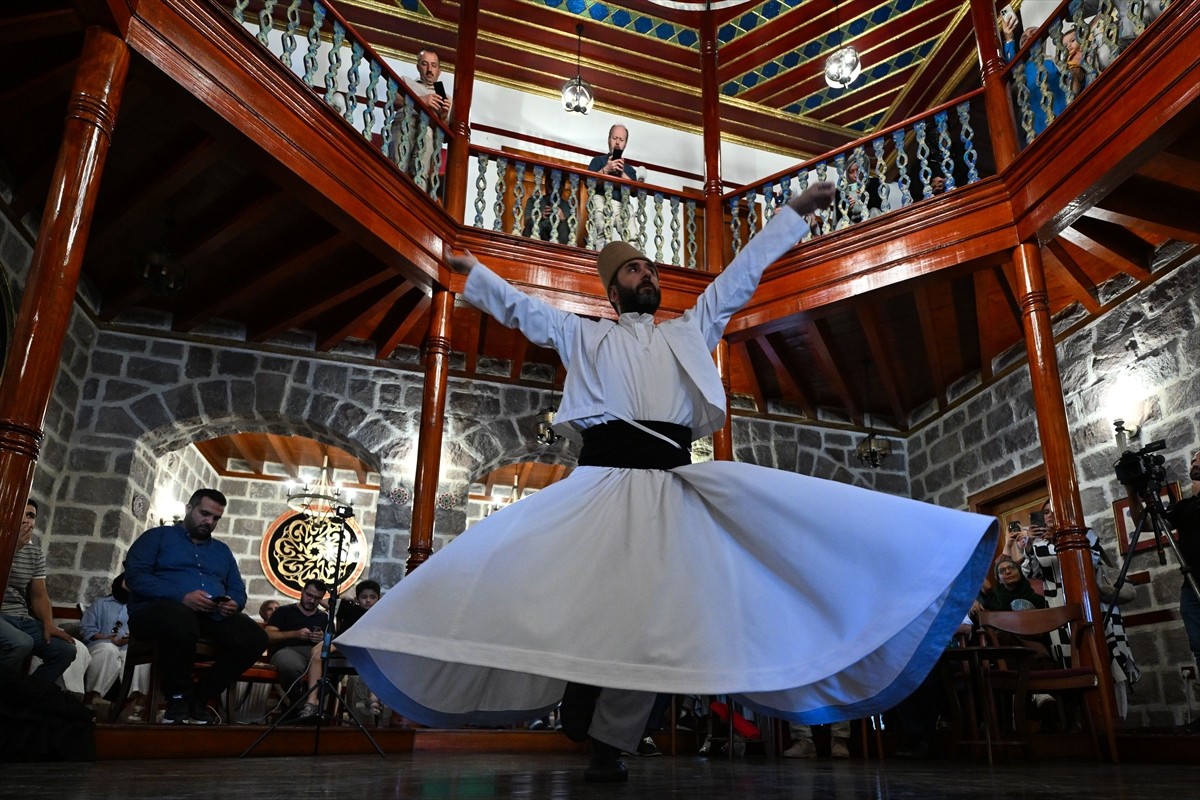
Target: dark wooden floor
x: 540, y: 776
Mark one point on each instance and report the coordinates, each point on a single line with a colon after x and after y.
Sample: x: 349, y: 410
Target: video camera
x: 344, y: 512
x: 1142, y: 469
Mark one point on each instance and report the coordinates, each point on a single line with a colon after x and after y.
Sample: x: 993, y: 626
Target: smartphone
x: 1037, y: 519
x: 1014, y: 526
x: 439, y: 89
x: 221, y: 599
x: 1009, y: 15
x: 617, y: 151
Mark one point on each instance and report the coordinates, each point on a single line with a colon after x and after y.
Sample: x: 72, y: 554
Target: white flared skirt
x: 803, y: 598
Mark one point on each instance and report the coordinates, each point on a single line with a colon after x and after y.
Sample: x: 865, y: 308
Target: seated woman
x: 1013, y: 591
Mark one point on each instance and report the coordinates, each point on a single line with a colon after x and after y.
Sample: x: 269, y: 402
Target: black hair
x: 317, y: 582
x: 211, y: 494
x: 34, y: 503
x: 367, y: 584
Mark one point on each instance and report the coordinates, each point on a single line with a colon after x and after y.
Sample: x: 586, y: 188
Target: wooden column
x: 714, y: 227
x: 464, y: 87
x: 433, y: 420
x: 1070, y: 539
x: 1002, y: 125
x: 49, y: 294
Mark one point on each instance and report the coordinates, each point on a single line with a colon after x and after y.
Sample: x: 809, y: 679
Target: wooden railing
x: 917, y: 159
x: 537, y: 199
x: 324, y: 51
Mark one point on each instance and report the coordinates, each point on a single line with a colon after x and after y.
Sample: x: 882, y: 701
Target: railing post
x: 49, y: 295
x: 433, y: 421
x: 1070, y: 538
x: 464, y: 86
x: 1002, y: 126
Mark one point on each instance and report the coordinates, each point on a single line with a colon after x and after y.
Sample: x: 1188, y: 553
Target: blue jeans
x: 1189, y: 609
x: 21, y: 637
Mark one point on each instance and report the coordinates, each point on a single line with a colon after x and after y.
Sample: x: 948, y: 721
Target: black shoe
x: 606, y: 765
x: 647, y: 747
x: 575, y: 713
x: 308, y: 714
x: 178, y: 710
x: 198, y: 713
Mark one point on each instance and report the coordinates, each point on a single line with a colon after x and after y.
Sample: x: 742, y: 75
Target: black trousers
x: 177, y: 628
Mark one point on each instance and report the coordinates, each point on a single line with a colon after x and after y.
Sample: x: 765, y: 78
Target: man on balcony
x: 428, y: 85
x: 599, y: 590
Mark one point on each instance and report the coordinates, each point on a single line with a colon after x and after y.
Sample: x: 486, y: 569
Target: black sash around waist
x: 619, y: 444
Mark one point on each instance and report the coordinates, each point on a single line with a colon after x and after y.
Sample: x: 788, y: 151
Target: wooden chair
x: 1023, y: 680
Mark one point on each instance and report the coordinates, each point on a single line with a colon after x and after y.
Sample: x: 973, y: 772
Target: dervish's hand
x: 819, y: 195
x: 462, y: 264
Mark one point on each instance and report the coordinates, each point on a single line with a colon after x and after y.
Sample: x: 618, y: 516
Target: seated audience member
x: 803, y: 746
x: 105, y: 630
x: 266, y: 609
x: 937, y: 185
x: 295, y: 633
x: 857, y: 197
x: 553, y: 224
x: 366, y: 594
x: 26, y: 618
x: 184, y: 585
x: 1013, y: 591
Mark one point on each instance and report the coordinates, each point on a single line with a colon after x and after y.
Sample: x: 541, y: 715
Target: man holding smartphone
x: 613, y: 162
x: 184, y: 585
x: 295, y: 633
x: 428, y: 85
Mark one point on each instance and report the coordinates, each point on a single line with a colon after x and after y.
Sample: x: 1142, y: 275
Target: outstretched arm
x: 819, y: 195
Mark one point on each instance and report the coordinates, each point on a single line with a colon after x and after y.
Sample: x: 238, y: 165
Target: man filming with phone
x: 613, y: 162
x: 428, y: 85
x: 184, y: 585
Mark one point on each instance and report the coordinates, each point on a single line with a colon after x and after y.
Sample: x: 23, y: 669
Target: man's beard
x: 642, y: 300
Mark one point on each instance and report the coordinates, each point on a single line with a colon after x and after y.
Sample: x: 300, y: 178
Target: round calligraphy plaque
x: 297, y: 548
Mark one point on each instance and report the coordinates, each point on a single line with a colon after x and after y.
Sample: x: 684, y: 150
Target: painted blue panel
x: 771, y: 10
x: 665, y: 32
x: 792, y: 59
x: 643, y: 24
x: 598, y: 12
x: 726, y: 34
x: 621, y: 18
x: 770, y: 69
x: 688, y: 37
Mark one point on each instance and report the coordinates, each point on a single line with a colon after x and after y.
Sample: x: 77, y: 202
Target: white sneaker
x: 802, y: 748
x: 839, y: 748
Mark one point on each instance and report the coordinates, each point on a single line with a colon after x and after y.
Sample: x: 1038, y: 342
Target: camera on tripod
x: 1142, y: 470
x: 343, y: 512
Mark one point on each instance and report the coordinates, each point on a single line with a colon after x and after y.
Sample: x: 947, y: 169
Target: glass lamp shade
x: 577, y: 95
x: 842, y: 67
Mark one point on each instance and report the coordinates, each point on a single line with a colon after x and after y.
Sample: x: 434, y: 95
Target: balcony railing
x: 335, y: 62
x: 916, y: 160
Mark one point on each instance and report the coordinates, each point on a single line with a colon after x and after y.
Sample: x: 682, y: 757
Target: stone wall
x: 1141, y: 362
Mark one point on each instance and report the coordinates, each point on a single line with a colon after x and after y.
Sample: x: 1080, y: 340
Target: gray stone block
x: 151, y: 371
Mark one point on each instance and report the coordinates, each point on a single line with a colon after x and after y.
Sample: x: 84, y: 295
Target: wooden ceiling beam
x: 363, y: 306
x: 269, y: 278
x: 36, y: 26
x: 1076, y: 281
x: 831, y: 363
x: 739, y: 357
x: 789, y: 373
x: 244, y: 452
x: 406, y: 313
x: 1112, y: 260
x: 51, y: 83
x: 296, y: 316
x: 932, y: 338
x: 985, y: 330
x: 517, y: 356
x: 521, y: 483
x: 1117, y: 239
x: 283, y: 453
x: 1156, y: 227
x: 885, y: 364
x: 1155, y: 202
x: 149, y: 199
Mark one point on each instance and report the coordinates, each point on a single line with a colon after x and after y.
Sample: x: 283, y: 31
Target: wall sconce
x: 577, y: 93
x: 546, y: 436
x: 1124, y: 434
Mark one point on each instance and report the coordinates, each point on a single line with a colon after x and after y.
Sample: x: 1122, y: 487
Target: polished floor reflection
x: 551, y: 777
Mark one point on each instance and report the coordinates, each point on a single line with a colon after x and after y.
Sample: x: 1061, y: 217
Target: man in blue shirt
x: 185, y: 585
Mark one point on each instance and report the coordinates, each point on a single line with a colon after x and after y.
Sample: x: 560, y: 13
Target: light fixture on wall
x: 316, y: 498
x: 546, y: 436
x: 843, y: 65
x: 577, y: 93
x: 1124, y: 434
x: 874, y: 449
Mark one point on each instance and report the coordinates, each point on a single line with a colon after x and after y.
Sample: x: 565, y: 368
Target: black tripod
x: 1152, y: 510
x: 325, y: 685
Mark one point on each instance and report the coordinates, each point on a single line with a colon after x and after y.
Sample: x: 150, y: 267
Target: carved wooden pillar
x: 1070, y: 539
x: 1001, y: 124
x: 714, y: 228
x: 49, y: 292
x: 433, y: 420
x: 464, y: 87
